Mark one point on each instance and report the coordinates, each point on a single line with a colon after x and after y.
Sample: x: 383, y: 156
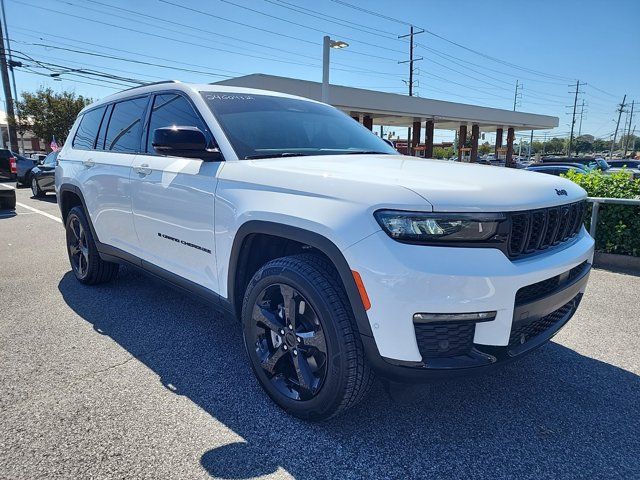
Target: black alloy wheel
x: 289, y: 341
x: 84, y: 257
x: 78, y: 248
x: 302, y: 339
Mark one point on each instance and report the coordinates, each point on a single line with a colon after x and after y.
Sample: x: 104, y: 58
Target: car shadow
x: 555, y: 413
x: 48, y: 198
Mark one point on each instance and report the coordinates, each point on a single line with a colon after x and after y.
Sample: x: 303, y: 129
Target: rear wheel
x: 301, y: 338
x: 85, y: 260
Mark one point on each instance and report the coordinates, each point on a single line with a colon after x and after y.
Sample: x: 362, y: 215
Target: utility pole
x: 11, y: 65
x: 411, y: 70
x: 11, y: 118
x: 517, y: 95
x: 626, y: 141
x: 573, y: 118
x: 581, y: 114
x: 620, y: 110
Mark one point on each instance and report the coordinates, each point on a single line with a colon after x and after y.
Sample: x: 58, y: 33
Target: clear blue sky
x: 544, y: 44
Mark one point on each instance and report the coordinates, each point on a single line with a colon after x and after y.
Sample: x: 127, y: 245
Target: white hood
x: 447, y: 186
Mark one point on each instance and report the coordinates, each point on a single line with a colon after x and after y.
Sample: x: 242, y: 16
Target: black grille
x: 523, y: 333
x: 535, y: 230
x: 538, y: 290
x: 438, y: 340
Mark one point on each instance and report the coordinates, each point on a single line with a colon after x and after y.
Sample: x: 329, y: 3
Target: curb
x: 617, y: 263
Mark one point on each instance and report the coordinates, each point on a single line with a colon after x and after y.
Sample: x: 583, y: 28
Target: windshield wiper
x: 365, y: 152
x: 276, y: 155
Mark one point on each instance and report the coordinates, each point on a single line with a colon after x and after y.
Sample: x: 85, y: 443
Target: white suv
x: 340, y: 257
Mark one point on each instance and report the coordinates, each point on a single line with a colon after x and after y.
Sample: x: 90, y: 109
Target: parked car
x: 557, y: 169
x: 630, y: 166
x: 593, y: 163
x: 24, y: 165
x: 8, y: 166
x: 43, y: 176
x: 333, y: 251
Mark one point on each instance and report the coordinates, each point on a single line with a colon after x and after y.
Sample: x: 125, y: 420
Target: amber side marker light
x: 363, y: 293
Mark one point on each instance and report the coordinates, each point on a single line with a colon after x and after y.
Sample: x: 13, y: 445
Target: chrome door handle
x: 143, y: 169
x: 89, y: 163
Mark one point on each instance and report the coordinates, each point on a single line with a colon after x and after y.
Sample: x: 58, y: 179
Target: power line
x: 489, y: 57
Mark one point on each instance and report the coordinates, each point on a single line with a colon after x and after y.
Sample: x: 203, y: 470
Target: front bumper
x: 402, y: 280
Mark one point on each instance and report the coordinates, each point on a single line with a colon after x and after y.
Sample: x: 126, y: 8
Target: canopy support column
x: 499, y: 132
x: 428, y: 139
x: 475, y: 135
x: 367, y: 121
x: 510, y: 136
x: 462, y: 139
x: 415, y: 135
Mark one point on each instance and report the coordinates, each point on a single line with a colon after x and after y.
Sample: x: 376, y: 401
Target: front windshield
x: 601, y: 164
x: 263, y: 126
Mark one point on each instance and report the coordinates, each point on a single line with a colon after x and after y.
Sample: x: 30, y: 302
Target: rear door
x: 107, y: 188
x: 173, y: 198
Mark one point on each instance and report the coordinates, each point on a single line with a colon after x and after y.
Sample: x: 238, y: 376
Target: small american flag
x: 54, y: 146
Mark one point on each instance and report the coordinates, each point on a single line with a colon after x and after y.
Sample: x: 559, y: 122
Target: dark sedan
x: 43, y: 176
x: 24, y: 166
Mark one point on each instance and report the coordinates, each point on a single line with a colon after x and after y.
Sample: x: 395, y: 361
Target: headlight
x: 418, y: 227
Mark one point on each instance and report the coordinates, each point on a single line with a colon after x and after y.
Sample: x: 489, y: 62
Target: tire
x: 84, y: 258
x: 35, y: 189
x: 331, y: 382
x: 20, y: 184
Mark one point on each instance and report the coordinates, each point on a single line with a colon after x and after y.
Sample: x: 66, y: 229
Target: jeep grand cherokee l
x: 341, y: 258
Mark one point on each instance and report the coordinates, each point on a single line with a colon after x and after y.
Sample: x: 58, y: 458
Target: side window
x: 85, y: 136
x: 172, y: 110
x: 125, y: 126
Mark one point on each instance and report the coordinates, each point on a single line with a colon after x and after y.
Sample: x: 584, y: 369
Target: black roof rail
x: 150, y: 84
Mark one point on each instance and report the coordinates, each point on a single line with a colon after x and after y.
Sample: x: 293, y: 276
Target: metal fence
x: 596, y: 201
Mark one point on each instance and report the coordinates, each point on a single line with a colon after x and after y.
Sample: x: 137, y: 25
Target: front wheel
x: 85, y: 260
x: 35, y: 188
x: 302, y: 338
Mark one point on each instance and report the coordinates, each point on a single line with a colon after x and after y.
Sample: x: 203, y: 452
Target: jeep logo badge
x: 561, y: 192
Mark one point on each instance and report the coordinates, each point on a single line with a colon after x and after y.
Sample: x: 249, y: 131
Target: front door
x: 173, y: 199
x: 46, y: 178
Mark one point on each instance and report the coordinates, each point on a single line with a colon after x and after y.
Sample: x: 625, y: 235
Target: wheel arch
x: 240, y: 253
x: 70, y: 196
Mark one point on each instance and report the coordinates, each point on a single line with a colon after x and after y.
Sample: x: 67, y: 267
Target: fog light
x: 453, y: 317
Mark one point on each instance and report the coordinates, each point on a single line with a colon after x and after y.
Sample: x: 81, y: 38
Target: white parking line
x: 44, y: 214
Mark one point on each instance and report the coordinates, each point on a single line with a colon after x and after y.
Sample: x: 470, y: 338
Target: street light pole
x: 325, y: 68
x: 327, y: 43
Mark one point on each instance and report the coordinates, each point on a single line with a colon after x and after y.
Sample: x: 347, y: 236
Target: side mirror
x: 187, y: 142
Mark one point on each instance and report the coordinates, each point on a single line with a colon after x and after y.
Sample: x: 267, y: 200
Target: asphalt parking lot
x: 134, y: 379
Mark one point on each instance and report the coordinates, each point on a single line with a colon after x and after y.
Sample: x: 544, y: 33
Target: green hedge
x: 618, y: 225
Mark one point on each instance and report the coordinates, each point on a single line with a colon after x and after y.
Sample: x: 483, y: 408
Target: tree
x: 48, y: 114
x: 583, y: 144
x: 485, y: 148
x: 556, y: 145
